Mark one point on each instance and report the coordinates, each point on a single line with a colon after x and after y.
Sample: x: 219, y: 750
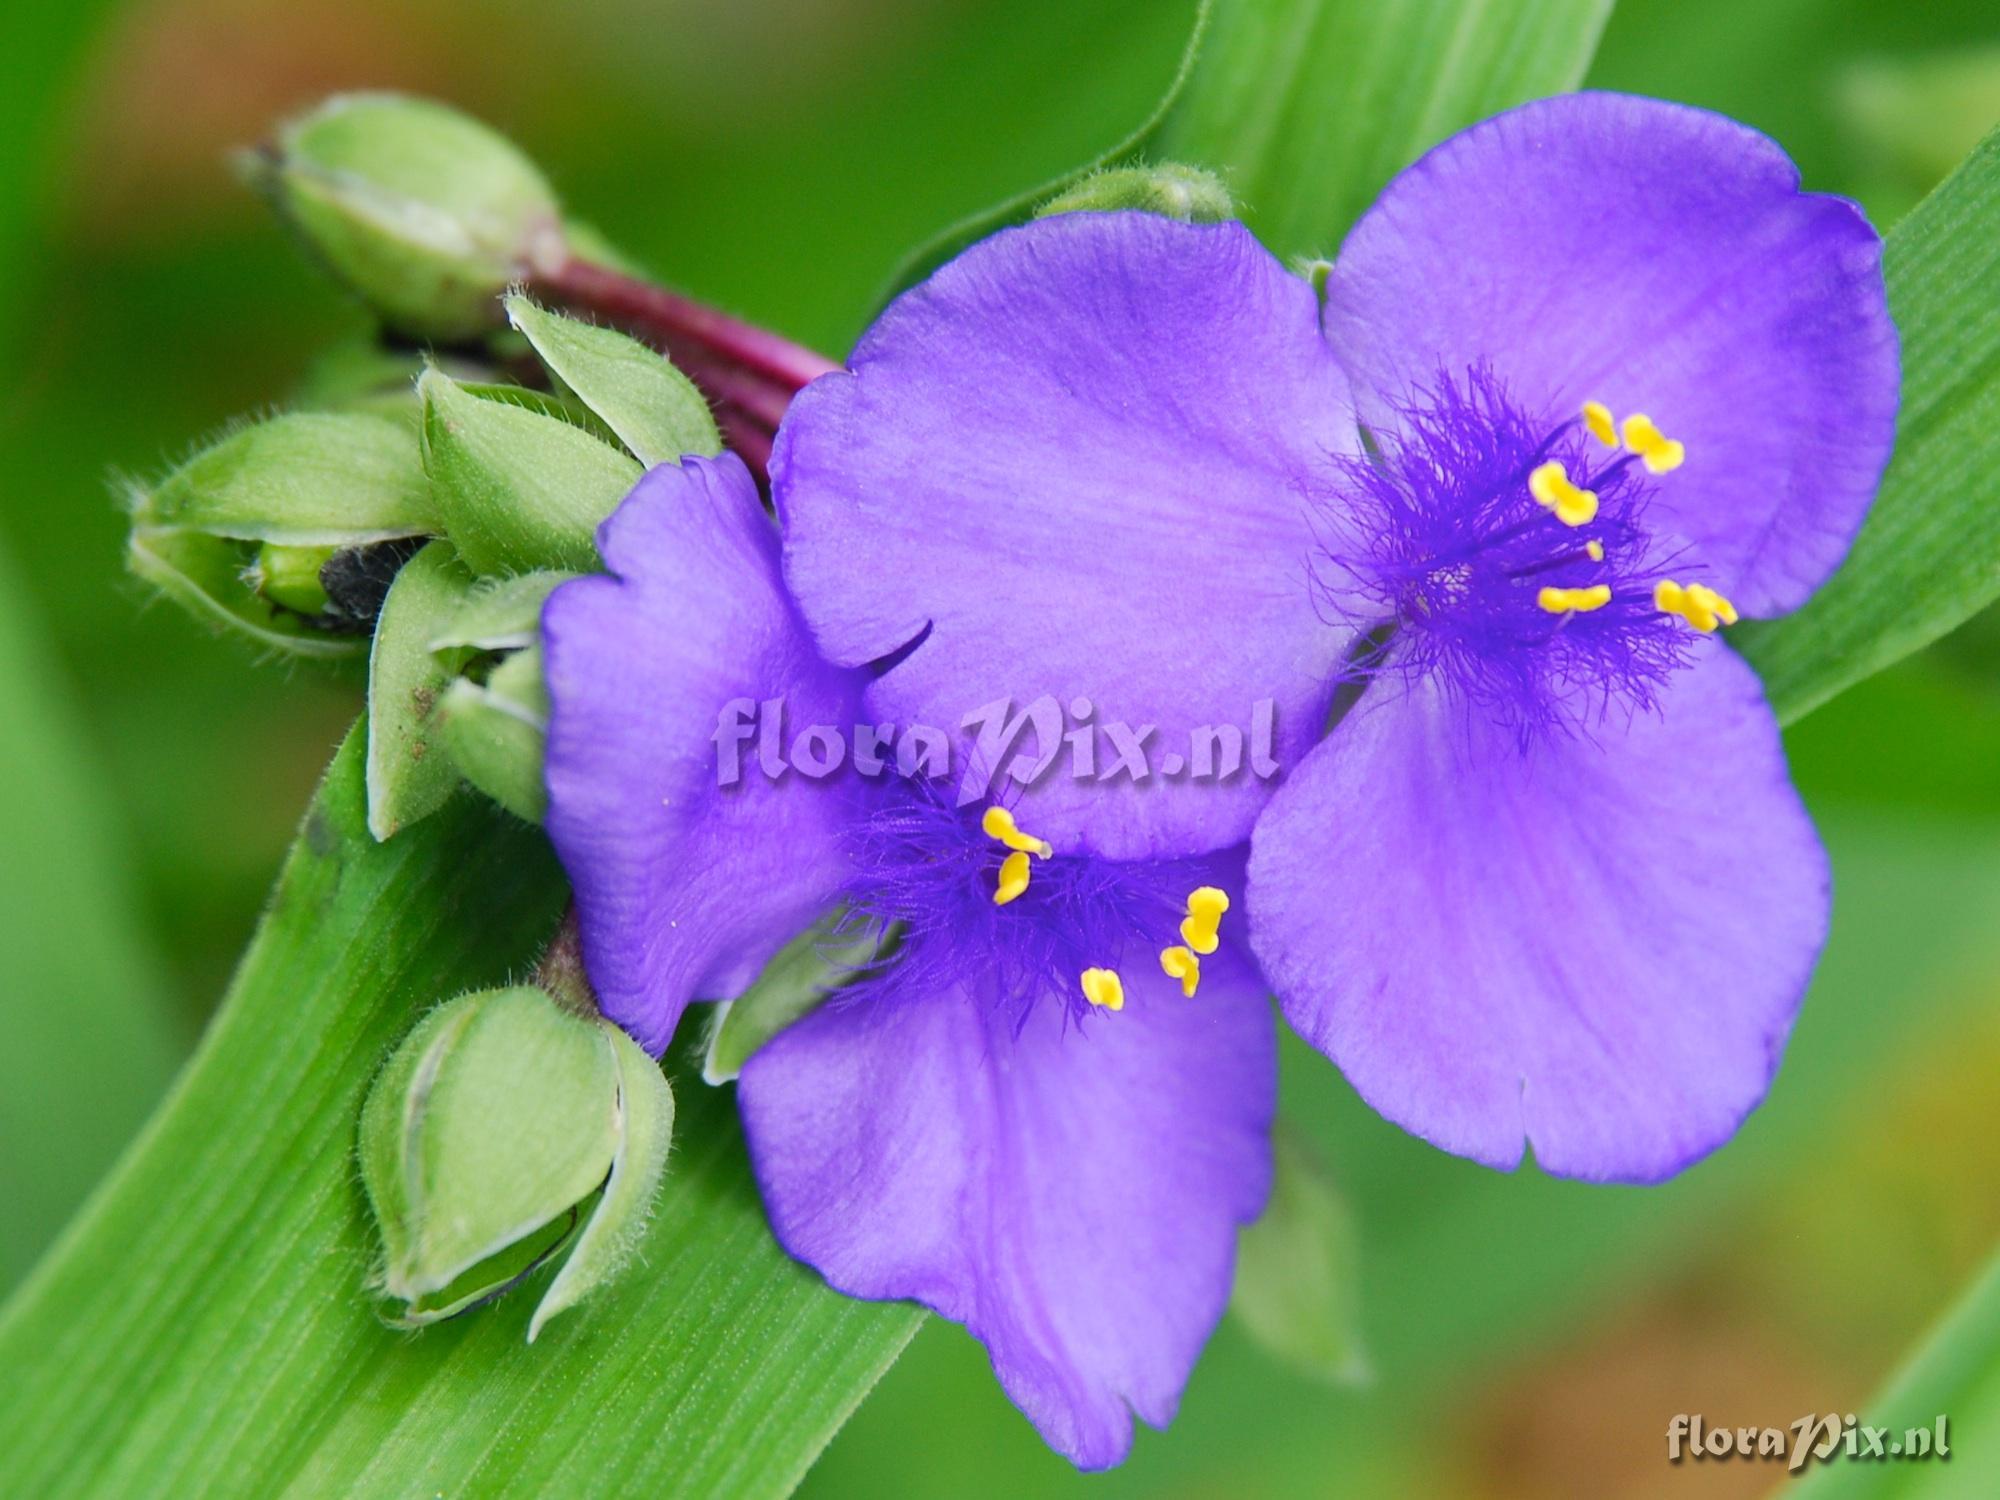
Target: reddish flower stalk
x: 749, y: 372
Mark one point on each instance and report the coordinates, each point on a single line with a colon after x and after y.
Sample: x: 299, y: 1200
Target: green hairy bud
x: 509, y: 1130
x: 426, y: 214
x: 287, y: 531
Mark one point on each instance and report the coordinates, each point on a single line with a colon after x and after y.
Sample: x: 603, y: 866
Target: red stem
x: 667, y: 317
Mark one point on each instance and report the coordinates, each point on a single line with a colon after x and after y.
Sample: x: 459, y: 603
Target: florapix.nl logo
x: 1027, y: 745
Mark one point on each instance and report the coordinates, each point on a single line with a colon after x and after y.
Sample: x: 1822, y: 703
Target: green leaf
x: 85, y: 1047
x: 1956, y: 1375
x: 934, y: 252
x: 202, y: 1328
x: 1297, y: 1292
x: 1308, y: 107
x: 517, y: 490
x: 655, y: 409
x: 408, y: 776
x: 1929, y: 556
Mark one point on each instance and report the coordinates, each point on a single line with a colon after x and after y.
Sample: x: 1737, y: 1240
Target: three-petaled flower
x: 1587, y: 381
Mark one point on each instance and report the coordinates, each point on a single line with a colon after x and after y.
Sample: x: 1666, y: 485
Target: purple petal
x: 685, y: 887
x: 1070, y: 1194
x: 1595, y: 944
x: 1075, y: 455
x: 1662, y: 260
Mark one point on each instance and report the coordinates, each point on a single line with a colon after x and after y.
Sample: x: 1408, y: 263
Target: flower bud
x: 1170, y: 189
x: 656, y: 411
x: 244, y: 533
x: 504, y: 1130
x: 517, y: 489
x: 423, y: 212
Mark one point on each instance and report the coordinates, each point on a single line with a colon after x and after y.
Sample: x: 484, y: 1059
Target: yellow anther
x: 1574, y: 601
x: 1595, y: 550
x: 1013, y: 878
x: 1181, y: 964
x: 998, y: 823
x: 1660, y: 453
x: 1550, y: 484
x: 1597, y: 417
x: 1701, y: 606
x: 1205, y: 906
x: 1104, y: 989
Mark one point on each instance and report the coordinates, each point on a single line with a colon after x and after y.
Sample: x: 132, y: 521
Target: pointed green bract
x: 516, y: 490
x: 409, y: 776
x: 655, y: 409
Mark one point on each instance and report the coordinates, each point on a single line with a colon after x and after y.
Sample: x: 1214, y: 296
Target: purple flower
x: 1589, y: 379
x: 1016, y: 1116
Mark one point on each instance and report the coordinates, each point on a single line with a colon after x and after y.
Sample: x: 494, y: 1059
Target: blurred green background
x: 1528, y: 1337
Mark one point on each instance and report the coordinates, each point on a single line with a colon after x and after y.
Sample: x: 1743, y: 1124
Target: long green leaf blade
x: 202, y: 1328
x: 1956, y: 1375
x: 1929, y: 557
x: 1308, y: 107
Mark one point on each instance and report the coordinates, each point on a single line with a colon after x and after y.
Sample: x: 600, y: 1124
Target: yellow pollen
x: 1181, y: 964
x: 1701, y: 606
x: 1596, y: 551
x: 1550, y: 484
x: 998, y: 823
x: 1104, y: 989
x: 1660, y: 453
x: 1597, y: 417
x: 1205, y: 906
x: 1574, y: 601
x: 1013, y: 878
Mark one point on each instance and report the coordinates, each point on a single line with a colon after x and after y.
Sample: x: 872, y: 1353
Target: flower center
x: 988, y: 907
x: 1513, y: 559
